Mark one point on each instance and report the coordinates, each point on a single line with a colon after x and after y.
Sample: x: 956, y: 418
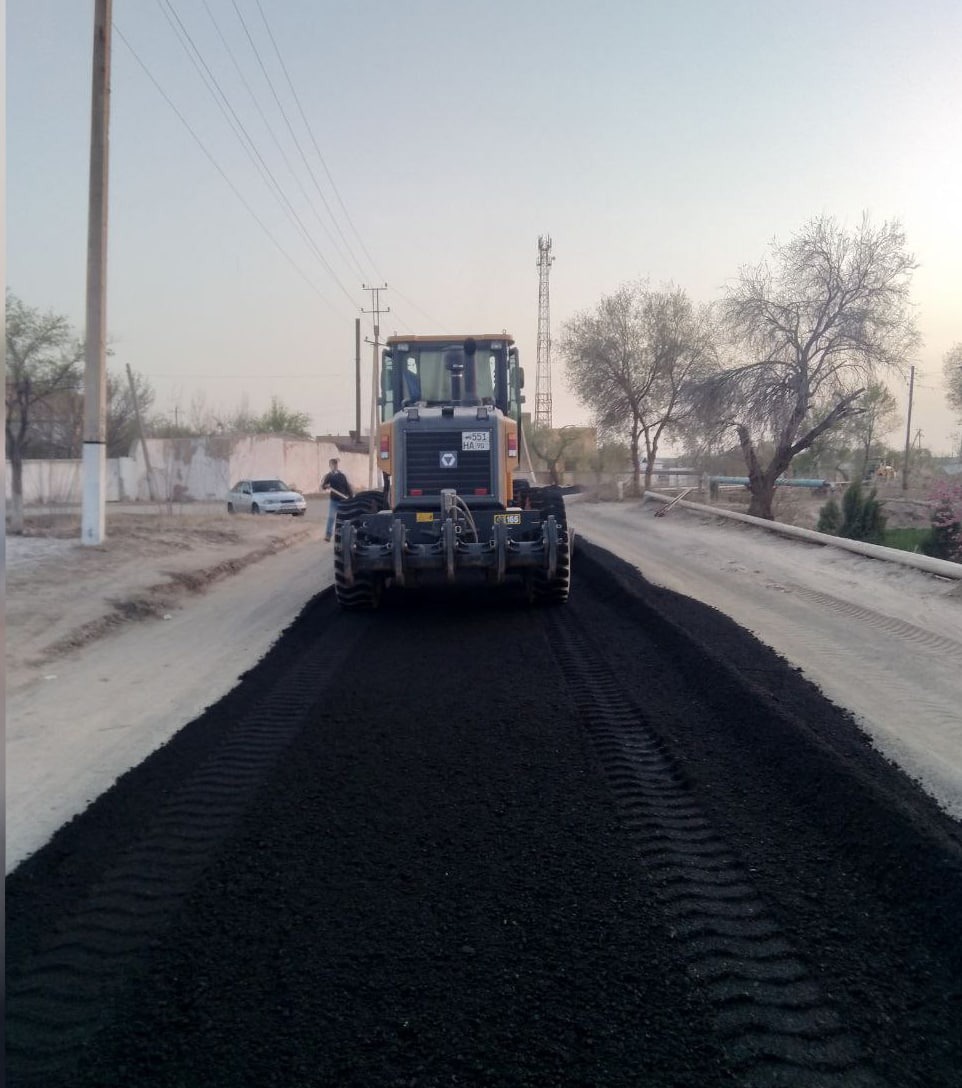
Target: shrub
x: 944, y: 540
x: 862, y: 517
x: 829, y: 518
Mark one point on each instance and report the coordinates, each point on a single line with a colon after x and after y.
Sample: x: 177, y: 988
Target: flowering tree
x: 945, y: 537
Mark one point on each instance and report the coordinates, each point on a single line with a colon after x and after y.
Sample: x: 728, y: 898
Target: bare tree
x: 629, y: 361
x: 43, y: 366
x: 829, y: 312
x: 121, y: 412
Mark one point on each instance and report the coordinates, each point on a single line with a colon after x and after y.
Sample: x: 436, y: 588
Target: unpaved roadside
x: 111, y: 650
x: 62, y: 595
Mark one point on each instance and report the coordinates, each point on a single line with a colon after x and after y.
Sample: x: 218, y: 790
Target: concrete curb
x: 941, y: 567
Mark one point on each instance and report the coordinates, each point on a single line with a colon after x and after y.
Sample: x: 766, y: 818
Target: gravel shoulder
x: 112, y: 649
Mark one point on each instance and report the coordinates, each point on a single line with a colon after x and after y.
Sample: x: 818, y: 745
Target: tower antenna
x: 542, y: 388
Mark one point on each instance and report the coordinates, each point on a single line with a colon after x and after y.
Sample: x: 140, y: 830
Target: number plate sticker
x: 508, y: 519
x: 475, y: 440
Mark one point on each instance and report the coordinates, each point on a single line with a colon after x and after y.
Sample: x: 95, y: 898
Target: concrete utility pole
x: 908, y: 433
x: 376, y: 369
x: 542, y: 385
x: 93, y: 518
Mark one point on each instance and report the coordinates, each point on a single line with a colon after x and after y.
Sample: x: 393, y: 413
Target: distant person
x: 335, y: 482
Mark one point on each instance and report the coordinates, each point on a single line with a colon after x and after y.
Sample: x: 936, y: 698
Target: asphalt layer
x: 467, y: 842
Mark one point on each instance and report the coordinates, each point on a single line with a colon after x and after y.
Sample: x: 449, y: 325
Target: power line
x: 310, y: 132
x: 200, y: 143
x: 290, y: 128
x: 268, y: 125
x: 223, y: 103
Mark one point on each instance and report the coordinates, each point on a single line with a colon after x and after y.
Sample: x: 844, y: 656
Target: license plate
x: 475, y: 440
x: 508, y: 519
x: 424, y: 515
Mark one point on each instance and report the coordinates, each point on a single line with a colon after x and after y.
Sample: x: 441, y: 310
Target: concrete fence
x: 194, y: 469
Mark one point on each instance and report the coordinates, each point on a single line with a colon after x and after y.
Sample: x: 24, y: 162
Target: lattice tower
x: 542, y: 388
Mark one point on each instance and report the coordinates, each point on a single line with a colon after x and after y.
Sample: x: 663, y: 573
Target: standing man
x: 335, y: 482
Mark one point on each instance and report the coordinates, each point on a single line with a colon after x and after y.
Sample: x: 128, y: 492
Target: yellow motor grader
x: 455, y: 506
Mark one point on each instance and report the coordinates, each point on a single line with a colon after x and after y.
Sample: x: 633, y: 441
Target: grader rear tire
x: 355, y: 592
x: 554, y: 590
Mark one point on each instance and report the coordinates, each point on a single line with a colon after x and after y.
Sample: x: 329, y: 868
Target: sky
x: 427, y: 144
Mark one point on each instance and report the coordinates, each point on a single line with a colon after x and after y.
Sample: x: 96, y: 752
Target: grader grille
x: 436, y: 460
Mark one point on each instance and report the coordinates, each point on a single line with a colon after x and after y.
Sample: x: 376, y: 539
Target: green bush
x: 860, y: 517
x: 829, y: 518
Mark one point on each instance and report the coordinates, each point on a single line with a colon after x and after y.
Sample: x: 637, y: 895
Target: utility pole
x: 357, y: 380
x: 542, y: 387
x: 375, y: 371
x: 93, y: 519
x: 143, y: 437
x: 908, y: 432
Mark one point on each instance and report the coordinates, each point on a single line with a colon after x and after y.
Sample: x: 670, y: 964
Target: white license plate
x: 475, y: 440
x: 508, y: 519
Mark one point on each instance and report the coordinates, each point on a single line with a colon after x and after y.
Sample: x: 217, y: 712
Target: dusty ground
x: 62, y: 595
x: 907, y: 509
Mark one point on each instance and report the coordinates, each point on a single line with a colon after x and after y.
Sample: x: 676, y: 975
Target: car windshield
x: 270, y: 485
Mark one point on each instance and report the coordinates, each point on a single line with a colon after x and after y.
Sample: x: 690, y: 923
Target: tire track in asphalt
x: 61, y: 996
x: 775, y: 1024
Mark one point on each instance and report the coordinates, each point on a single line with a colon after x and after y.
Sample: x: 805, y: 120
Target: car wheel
x: 230, y: 508
x: 298, y: 513
x: 255, y: 509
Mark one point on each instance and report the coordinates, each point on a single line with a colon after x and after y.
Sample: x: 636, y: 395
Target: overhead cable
x: 200, y: 143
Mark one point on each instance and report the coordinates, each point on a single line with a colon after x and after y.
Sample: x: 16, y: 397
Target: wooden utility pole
x: 908, y: 433
x: 143, y: 437
x: 375, y: 373
x: 93, y: 518
x: 357, y: 380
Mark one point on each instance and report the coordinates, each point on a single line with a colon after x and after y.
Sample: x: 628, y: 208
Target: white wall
x: 52, y: 483
x: 204, y: 469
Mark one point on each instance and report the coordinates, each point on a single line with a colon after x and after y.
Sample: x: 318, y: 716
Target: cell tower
x: 542, y: 387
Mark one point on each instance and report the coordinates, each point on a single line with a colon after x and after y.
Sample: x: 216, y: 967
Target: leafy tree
x: 201, y: 420
x: 814, y: 326
x: 43, y: 366
x: 629, y: 359
x: 550, y: 445
x: 278, y: 419
x: 607, y: 458
x: 877, y: 415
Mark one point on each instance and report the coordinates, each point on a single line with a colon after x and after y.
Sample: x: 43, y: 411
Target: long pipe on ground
x: 942, y: 567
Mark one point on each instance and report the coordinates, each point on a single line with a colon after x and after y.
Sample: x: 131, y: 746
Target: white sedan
x: 265, y: 497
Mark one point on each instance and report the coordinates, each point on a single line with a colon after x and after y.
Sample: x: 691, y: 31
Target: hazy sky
x: 670, y: 141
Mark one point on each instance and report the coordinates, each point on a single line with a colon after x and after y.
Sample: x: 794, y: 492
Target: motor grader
x: 455, y: 507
